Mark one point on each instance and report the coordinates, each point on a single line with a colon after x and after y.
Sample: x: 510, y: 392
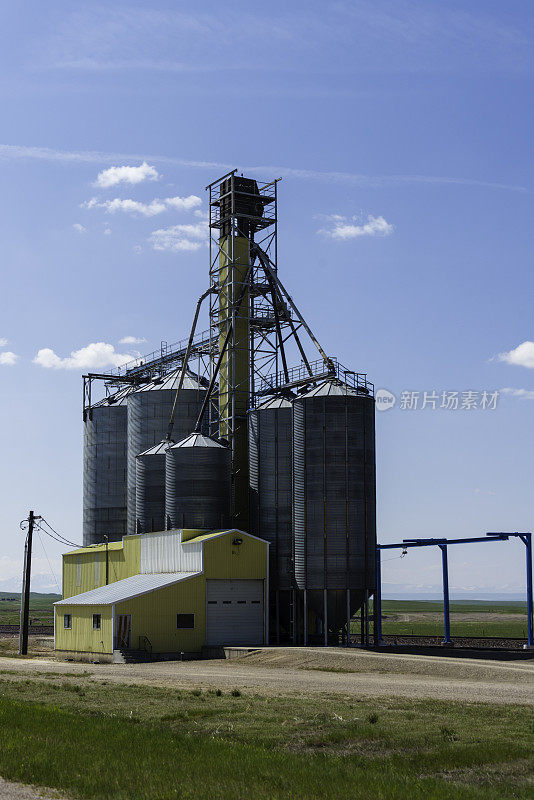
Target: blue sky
x: 403, y: 133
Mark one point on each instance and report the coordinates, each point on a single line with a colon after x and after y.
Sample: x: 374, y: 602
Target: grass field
x: 401, y: 617
x: 468, y: 618
x: 98, y: 740
x: 41, y: 608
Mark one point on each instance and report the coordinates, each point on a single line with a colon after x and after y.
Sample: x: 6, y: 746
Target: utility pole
x: 25, y: 597
x: 107, y: 559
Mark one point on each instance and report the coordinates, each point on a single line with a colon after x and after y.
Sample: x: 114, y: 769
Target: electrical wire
x: 59, y: 535
x: 49, y: 564
x: 392, y: 559
x: 60, y: 541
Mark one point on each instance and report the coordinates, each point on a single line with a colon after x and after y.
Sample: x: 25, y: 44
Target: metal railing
x: 315, y: 372
x: 146, y: 645
x: 167, y: 353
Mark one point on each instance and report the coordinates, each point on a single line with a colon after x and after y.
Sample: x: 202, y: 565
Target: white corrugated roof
x: 117, y: 399
x: 157, y: 449
x: 274, y: 402
x: 332, y: 386
x: 126, y: 589
x: 197, y: 440
x: 171, y: 380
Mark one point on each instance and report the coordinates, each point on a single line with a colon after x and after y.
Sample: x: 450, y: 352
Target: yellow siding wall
x: 81, y: 637
x: 80, y: 575
x: 222, y: 559
x: 154, y: 615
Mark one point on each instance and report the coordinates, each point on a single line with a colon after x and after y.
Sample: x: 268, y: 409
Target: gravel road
x: 21, y: 791
x: 305, y: 671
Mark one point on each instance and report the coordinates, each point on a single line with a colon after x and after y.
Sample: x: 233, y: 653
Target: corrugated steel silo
x: 104, y: 469
x: 197, y: 483
x: 150, y: 488
x: 149, y: 411
x: 334, y: 498
x: 270, y: 484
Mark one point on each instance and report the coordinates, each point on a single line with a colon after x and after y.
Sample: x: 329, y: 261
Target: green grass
x: 41, y: 608
x: 460, y: 606
x: 93, y: 739
x: 468, y: 618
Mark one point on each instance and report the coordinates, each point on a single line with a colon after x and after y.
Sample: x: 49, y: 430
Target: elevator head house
x: 169, y: 592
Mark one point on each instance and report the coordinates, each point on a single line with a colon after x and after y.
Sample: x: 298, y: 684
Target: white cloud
x: 3, y: 342
x: 115, y: 175
x: 180, y: 237
x: 523, y: 394
x: 521, y: 356
x: 7, y: 358
x: 344, y: 228
x: 97, y: 355
x: 151, y: 209
x: 132, y: 340
x: 107, y: 231
x: 79, y: 228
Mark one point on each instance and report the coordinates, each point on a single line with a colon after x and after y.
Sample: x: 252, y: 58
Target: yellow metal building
x: 167, y: 592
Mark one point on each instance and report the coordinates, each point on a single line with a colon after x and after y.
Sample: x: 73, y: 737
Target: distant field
x: 468, y: 618
x: 402, y: 617
x: 41, y: 608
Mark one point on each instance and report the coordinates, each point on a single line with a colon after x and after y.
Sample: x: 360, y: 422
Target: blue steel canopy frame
x: 443, y: 544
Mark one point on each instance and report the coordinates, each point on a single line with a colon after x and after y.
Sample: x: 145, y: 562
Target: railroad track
x: 474, y: 642
x: 34, y: 630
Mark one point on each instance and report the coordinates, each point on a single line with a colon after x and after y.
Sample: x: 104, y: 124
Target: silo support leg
x: 348, y: 617
x: 305, y: 617
x: 377, y: 603
x: 277, y: 600
x: 367, y: 617
x: 293, y: 613
x: 325, y: 615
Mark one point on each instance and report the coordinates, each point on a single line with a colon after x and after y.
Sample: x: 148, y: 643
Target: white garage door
x: 235, y: 612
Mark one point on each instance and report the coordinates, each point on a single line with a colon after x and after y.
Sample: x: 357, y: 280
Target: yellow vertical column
x: 234, y: 375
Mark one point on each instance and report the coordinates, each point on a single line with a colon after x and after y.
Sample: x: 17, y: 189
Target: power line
x: 62, y: 539
x: 46, y: 556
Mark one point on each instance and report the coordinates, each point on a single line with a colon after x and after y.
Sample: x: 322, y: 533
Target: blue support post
x: 446, y: 615
x: 501, y: 536
x: 530, y: 610
x: 378, y: 599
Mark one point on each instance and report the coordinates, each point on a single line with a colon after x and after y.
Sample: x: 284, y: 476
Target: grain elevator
x: 247, y: 425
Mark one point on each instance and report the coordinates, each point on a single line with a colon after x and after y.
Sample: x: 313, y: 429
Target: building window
x: 96, y: 622
x: 185, y: 620
x: 67, y: 621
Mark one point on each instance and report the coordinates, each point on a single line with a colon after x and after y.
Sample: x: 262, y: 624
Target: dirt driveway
x: 309, y: 671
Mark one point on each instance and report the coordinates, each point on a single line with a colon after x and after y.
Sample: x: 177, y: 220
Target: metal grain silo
x: 150, y: 488
x: 270, y: 484
x: 334, y: 516
x: 197, y: 483
x: 104, y: 469
x: 149, y: 411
